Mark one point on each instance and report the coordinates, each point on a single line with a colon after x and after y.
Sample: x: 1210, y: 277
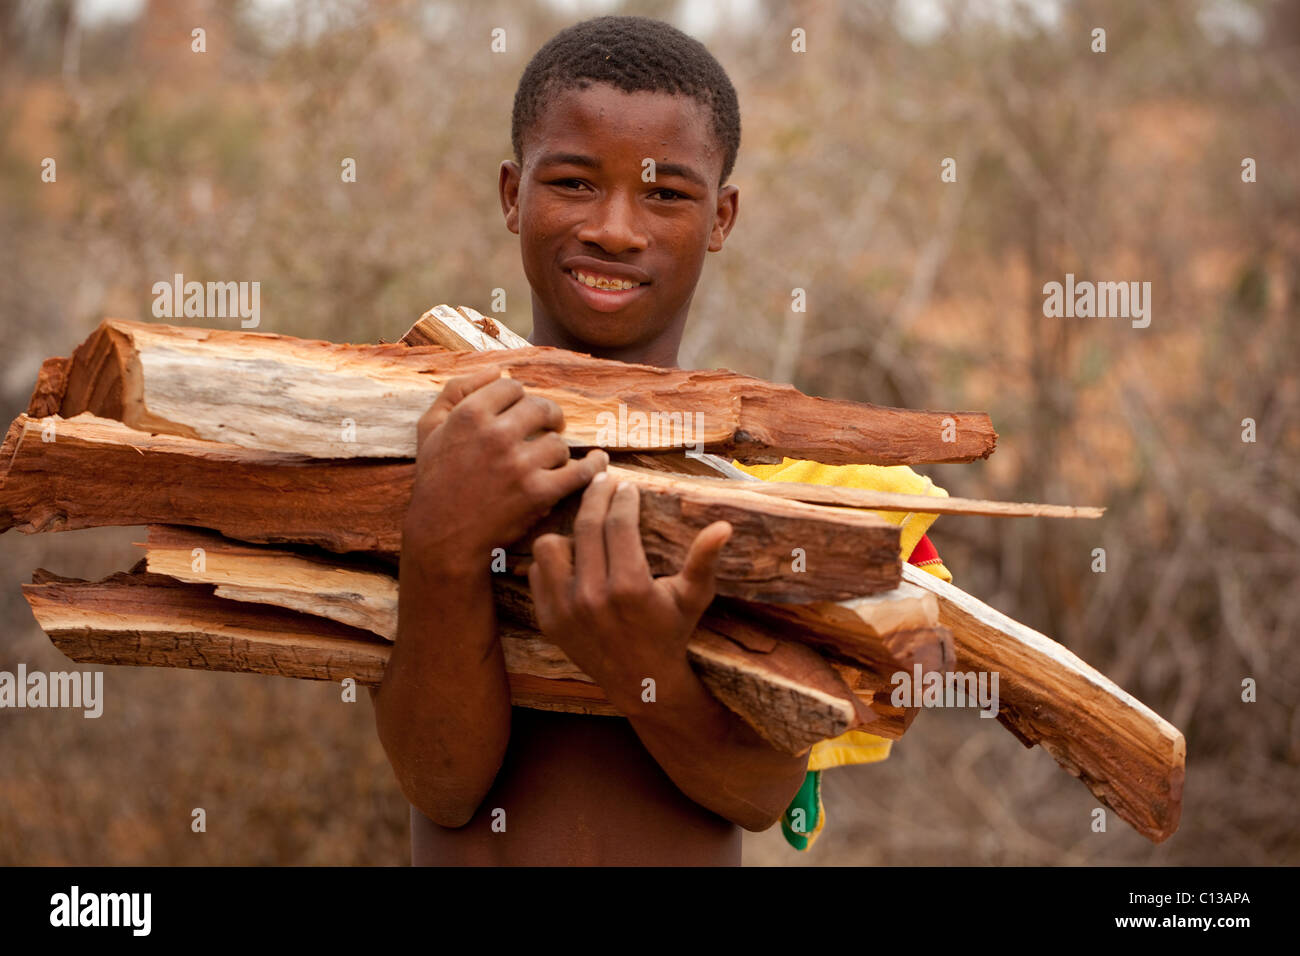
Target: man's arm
x: 443, y: 709
x: 596, y: 599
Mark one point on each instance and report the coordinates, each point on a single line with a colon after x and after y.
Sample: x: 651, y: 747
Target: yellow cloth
x: 857, y: 746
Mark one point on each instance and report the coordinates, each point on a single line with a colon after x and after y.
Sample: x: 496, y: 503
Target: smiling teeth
x: 604, y: 282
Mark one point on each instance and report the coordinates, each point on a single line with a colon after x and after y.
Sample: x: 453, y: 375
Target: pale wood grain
x: 277, y: 393
x: 1128, y: 755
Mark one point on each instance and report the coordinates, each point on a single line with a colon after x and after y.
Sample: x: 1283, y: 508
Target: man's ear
x: 724, y: 216
x: 508, y: 187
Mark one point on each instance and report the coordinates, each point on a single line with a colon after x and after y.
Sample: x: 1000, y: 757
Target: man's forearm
x: 443, y: 709
x: 712, y: 755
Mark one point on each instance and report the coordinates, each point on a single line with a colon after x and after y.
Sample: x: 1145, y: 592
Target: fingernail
x: 599, y: 477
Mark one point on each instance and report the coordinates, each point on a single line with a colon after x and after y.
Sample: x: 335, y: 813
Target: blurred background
x: 1123, y: 165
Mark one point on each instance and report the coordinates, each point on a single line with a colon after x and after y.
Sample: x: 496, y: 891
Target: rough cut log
x: 786, y: 692
x: 882, y: 635
x: 277, y: 393
x: 98, y: 472
x: 342, y: 589
x: 1129, y: 756
x: 791, y: 697
x: 148, y: 620
x: 461, y: 330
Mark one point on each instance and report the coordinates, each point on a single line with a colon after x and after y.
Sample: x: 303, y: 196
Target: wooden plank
x: 265, y: 497
x: 885, y: 500
x: 786, y: 692
x: 1128, y: 756
x: 277, y: 393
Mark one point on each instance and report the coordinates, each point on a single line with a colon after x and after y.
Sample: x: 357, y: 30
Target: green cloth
x: 801, y: 818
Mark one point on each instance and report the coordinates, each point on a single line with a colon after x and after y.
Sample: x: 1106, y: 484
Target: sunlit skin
x: 673, y: 783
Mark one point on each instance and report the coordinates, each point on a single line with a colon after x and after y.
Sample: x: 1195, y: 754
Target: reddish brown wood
x: 743, y: 417
x: 146, y: 620
x: 100, y: 472
x: 51, y: 385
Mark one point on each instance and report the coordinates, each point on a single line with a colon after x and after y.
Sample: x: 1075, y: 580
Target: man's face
x: 585, y: 212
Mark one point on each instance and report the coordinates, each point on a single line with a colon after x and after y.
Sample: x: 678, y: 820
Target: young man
x: 613, y: 262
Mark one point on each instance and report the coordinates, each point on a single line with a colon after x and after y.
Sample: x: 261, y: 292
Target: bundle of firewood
x: 274, y: 474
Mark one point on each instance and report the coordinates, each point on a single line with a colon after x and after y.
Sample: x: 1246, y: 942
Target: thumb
x: 696, y: 584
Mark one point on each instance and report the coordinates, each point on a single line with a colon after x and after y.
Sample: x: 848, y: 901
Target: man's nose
x: 615, y: 224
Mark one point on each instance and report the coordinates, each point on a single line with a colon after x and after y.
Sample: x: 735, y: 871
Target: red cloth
x: 923, y: 552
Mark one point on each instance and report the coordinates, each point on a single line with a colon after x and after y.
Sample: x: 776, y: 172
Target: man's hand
x: 596, y: 599
x: 490, y: 462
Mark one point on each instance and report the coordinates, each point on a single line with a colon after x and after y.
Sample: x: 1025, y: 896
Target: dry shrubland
x: 1123, y: 165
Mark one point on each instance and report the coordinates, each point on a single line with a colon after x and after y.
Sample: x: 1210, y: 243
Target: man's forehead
x: 662, y: 126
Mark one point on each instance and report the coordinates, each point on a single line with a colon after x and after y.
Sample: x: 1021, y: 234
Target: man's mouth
x: 594, y: 280
x: 602, y: 293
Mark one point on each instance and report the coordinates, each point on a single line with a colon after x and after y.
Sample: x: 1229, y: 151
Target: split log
x: 881, y: 635
x: 1128, y: 756
x: 97, y: 472
x: 267, y: 497
x: 349, y: 590
x: 277, y: 393
x: 787, y: 693
x: 791, y: 697
x: 147, y: 620
x: 462, y: 330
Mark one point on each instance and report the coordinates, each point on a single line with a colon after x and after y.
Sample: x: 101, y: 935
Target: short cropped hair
x: 633, y: 54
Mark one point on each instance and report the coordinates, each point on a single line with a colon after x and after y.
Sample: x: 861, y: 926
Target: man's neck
x: 660, y: 351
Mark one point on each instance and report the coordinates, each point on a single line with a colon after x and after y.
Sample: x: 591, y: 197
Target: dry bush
x: 1118, y: 166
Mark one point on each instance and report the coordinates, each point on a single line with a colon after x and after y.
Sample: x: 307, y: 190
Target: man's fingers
x: 532, y: 414
x: 550, y: 577
x: 695, y: 585
x: 628, y: 569
x: 558, y: 483
x: 590, y: 566
x: 451, y: 395
x: 552, y: 560
x: 548, y: 450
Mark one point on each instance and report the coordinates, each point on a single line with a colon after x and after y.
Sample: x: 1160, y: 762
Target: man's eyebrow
x: 592, y: 162
x: 569, y: 159
x: 684, y: 172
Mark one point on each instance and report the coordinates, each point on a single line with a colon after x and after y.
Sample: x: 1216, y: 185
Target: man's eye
x: 668, y: 194
x: 568, y: 182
